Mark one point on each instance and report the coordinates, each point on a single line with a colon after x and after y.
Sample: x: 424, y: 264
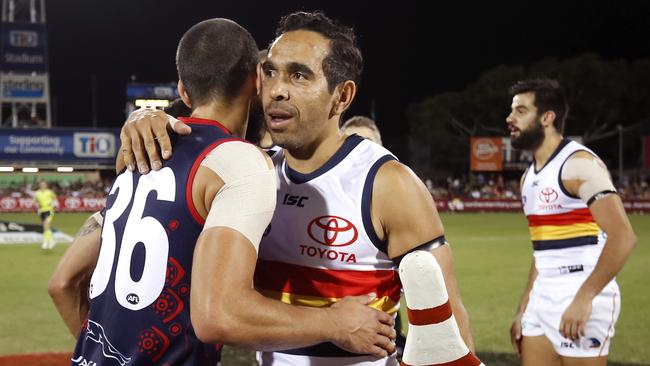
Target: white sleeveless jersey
x: 321, y: 245
x: 564, y: 234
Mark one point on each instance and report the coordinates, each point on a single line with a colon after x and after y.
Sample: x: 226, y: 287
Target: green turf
x: 492, y: 256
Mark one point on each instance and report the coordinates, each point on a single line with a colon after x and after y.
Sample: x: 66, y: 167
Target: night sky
x: 119, y: 38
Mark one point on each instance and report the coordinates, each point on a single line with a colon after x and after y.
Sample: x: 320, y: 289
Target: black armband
x: 428, y: 246
x: 598, y: 196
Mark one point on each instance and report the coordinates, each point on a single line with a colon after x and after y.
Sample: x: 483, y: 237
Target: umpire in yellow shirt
x: 45, y: 198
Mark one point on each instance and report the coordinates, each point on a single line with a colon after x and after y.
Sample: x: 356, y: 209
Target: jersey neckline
x: 348, y: 145
x: 559, y: 148
x: 204, y: 121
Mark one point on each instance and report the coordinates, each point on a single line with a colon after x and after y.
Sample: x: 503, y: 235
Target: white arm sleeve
x: 247, y: 200
x: 592, y: 172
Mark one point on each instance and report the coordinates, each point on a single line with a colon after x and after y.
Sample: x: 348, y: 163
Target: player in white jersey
x: 580, y: 232
x: 341, y: 192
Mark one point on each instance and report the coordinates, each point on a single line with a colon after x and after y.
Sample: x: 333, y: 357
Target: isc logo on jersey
x: 94, y: 145
x: 332, y: 233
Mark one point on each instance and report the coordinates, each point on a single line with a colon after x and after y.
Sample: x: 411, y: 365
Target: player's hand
x: 515, y: 334
x: 144, y: 134
x: 574, y: 318
x: 362, y: 329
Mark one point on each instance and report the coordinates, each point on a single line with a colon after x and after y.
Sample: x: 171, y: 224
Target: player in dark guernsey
x: 172, y: 277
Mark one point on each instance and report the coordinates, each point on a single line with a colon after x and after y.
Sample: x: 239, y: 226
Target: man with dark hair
x: 338, y: 229
x: 581, y: 237
x: 174, y: 272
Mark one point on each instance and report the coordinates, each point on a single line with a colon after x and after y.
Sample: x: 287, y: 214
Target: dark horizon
x: 111, y: 41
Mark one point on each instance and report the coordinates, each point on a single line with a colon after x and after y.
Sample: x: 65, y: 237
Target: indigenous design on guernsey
x: 321, y: 245
x: 557, y: 219
x: 139, y: 291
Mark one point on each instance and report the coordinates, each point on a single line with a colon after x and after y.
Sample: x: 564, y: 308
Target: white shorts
x: 284, y: 359
x: 552, y: 295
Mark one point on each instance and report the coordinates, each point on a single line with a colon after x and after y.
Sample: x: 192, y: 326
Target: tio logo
x: 21, y: 38
x: 94, y: 145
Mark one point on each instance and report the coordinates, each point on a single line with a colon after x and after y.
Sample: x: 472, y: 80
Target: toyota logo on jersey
x: 333, y: 231
x: 548, y: 195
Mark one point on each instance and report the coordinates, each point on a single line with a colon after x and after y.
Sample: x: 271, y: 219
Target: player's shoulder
x: 582, y: 154
x: 237, y: 158
x: 395, y: 176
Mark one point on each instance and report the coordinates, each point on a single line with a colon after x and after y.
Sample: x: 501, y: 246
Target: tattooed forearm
x: 89, y: 227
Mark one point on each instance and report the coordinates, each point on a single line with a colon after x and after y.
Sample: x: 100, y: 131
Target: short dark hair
x: 344, y: 60
x: 214, y: 58
x: 549, y: 96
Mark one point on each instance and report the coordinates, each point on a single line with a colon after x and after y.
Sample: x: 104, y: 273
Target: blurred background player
x: 45, y: 200
x: 364, y: 127
x: 580, y: 232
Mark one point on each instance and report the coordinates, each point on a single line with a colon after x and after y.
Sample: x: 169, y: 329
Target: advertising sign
x: 486, y: 154
x: 24, y: 88
x: 76, y: 146
x: 24, y: 47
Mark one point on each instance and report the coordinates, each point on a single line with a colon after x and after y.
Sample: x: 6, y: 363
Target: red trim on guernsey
x: 188, y: 190
x: 430, y: 316
x: 467, y: 360
x: 307, y: 281
x: 581, y: 215
x: 203, y: 121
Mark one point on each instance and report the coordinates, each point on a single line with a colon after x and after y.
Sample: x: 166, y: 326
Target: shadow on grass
x: 236, y: 357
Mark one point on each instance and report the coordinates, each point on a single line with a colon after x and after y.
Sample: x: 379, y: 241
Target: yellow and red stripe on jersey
x: 564, y: 230
x: 317, y: 287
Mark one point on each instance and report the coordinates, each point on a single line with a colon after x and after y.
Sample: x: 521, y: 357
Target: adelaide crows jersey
x: 561, y: 227
x: 139, y: 291
x: 321, y: 245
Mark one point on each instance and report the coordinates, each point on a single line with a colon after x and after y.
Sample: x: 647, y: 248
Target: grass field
x: 492, y: 256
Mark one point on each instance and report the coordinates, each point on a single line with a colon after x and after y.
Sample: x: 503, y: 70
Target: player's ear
x: 343, y: 96
x: 183, y: 94
x: 548, y: 118
x: 258, y: 79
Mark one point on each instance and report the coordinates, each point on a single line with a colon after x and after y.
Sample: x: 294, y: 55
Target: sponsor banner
x: 24, y: 47
x: 76, y: 146
x: 65, y: 204
x: 20, y: 233
x: 496, y: 205
x: 24, y: 88
x: 486, y: 154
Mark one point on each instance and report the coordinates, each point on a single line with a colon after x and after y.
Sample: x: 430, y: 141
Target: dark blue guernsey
x: 139, y: 292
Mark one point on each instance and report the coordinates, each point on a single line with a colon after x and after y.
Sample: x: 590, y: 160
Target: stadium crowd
x: 78, y: 188
x: 480, y: 186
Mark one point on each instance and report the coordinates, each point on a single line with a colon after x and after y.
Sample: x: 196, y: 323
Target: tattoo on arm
x: 89, y: 227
